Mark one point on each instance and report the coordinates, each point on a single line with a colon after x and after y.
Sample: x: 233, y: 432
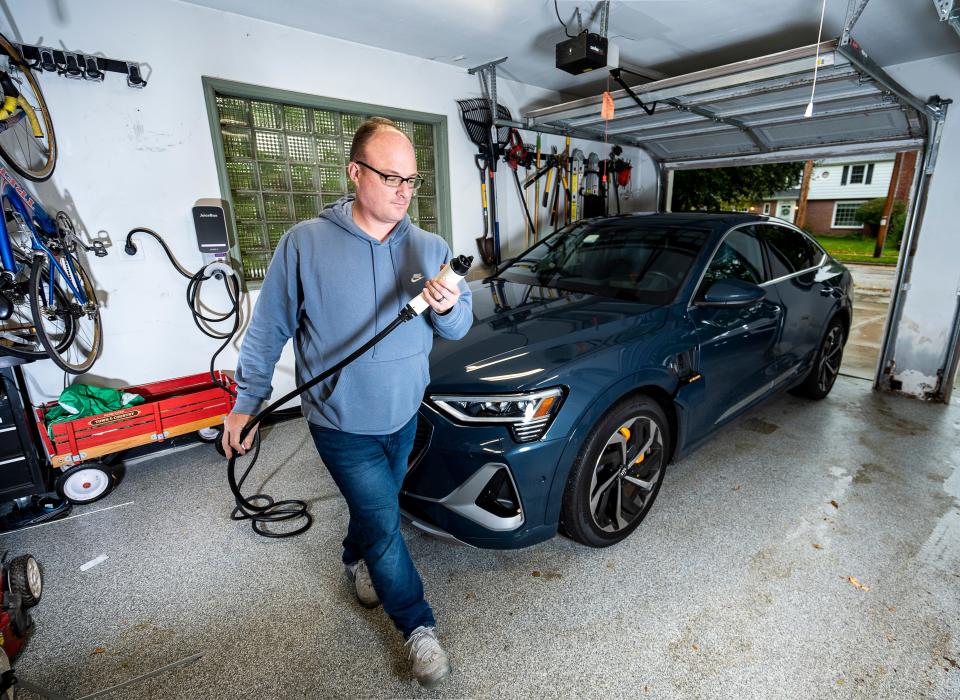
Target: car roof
x: 716, y: 219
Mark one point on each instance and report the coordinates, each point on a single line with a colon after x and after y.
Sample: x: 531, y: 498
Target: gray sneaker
x: 362, y: 585
x: 430, y: 663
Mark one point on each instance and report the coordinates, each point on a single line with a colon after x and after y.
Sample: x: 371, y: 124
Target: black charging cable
x: 271, y: 511
x: 194, y: 285
x: 268, y: 510
x: 261, y: 509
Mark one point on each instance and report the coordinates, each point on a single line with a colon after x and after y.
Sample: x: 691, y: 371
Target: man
x: 333, y: 283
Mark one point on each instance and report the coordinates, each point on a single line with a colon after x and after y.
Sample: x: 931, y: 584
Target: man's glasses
x: 395, y: 180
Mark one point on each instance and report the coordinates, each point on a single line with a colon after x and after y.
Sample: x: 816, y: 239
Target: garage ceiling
x: 664, y: 35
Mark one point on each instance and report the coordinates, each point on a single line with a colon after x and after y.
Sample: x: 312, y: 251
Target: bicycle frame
x: 29, y: 209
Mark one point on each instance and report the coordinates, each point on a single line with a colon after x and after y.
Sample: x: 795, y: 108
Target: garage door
x: 755, y: 108
x: 754, y: 111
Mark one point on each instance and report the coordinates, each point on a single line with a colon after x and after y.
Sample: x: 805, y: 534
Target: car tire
x: 611, y: 488
x: 826, y: 365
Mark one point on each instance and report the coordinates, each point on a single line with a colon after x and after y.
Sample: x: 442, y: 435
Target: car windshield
x: 624, y: 259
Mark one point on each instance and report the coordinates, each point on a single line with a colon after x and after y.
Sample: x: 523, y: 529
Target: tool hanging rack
x: 78, y: 65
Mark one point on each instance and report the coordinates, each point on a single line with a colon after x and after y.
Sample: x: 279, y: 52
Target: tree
x: 716, y: 189
x: 870, y: 213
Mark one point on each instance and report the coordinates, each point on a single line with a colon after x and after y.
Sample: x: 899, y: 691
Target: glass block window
x: 845, y: 215
x: 285, y: 162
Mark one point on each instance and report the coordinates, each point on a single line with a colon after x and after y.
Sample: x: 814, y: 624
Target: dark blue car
x: 607, y: 350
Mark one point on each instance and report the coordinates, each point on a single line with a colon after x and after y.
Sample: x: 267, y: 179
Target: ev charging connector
x: 451, y: 274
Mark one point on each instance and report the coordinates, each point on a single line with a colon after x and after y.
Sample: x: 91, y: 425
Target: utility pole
x: 801, y: 217
x: 888, y: 206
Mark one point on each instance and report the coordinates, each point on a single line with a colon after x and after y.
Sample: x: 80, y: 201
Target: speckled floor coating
x: 735, y: 586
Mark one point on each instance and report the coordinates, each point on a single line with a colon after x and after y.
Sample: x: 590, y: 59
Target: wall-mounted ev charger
x: 211, y: 220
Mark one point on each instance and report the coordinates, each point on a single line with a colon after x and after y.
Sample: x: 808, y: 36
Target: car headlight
x: 528, y: 415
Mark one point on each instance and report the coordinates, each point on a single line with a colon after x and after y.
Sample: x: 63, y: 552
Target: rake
x: 478, y: 122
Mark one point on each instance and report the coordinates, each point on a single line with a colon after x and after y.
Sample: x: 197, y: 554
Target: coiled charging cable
x: 261, y: 509
x: 276, y: 511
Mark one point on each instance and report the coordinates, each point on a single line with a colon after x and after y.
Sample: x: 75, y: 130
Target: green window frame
x: 281, y: 157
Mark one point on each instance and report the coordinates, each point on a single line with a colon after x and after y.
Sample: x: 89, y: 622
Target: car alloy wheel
x: 626, y: 474
x: 826, y: 365
x: 617, y: 475
x: 831, y: 355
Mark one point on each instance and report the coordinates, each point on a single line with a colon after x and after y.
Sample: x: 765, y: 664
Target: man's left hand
x: 441, y: 297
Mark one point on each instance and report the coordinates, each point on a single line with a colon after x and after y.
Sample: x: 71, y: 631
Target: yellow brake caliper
x: 626, y: 436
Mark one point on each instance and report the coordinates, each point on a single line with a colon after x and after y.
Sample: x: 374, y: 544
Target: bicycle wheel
x: 70, y: 331
x: 18, y: 332
x: 30, y: 153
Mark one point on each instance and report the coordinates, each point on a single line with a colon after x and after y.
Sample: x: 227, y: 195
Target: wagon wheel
x: 85, y: 483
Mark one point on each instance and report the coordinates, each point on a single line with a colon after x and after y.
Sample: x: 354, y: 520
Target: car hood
x: 523, y: 334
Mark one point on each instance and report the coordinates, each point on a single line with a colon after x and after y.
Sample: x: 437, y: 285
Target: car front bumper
x: 476, y: 485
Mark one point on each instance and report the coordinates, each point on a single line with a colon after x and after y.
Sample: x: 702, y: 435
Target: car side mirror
x: 731, y: 293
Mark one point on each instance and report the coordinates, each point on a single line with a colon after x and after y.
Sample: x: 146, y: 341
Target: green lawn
x: 857, y: 249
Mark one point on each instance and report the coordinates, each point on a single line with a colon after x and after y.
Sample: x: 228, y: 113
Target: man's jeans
x: 369, y: 471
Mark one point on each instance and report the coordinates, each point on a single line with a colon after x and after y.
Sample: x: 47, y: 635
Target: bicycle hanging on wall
x: 41, y: 268
x: 27, y: 140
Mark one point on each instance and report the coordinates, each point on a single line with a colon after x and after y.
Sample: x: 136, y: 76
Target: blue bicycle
x: 48, y: 305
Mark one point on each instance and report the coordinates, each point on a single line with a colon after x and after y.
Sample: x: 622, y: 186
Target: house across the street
x: 837, y: 189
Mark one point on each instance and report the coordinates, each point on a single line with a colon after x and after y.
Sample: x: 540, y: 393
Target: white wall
x: 929, y: 306
x: 143, y: 157
x: 826, y: 179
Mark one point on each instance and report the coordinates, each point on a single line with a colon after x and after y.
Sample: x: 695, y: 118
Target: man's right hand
x: 233, y: 425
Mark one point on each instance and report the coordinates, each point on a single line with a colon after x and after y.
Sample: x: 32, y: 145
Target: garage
x: 373, y: 350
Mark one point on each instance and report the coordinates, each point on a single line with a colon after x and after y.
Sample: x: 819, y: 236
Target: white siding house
x: 848, y: 184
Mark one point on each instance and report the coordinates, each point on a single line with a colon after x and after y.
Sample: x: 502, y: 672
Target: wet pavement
x: 871, y: 304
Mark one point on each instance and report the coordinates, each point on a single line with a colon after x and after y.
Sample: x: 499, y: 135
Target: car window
x: 623, y: 258
x: 790, y: 251
x: 739, y: 257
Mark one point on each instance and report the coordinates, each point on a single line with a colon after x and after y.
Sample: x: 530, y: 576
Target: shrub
x: 871, y: 212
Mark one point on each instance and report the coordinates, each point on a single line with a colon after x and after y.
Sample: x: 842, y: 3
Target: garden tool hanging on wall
x: 568, y: 183
x: 536, y: 192
x: 543, y: 167
x: 478, y: 120
x: 618, y: 171
x: 592, y: 198
x: 561, y: 186
x: 576, y: 178
x: 517, y: 155
x: 484, y: 242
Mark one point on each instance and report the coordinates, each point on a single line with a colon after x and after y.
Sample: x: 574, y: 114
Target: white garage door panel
x: 751, y: 107
x: 872, y: 126
x: 709, y: 144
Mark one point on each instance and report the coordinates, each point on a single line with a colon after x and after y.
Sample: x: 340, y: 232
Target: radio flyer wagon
x: 172, y: 407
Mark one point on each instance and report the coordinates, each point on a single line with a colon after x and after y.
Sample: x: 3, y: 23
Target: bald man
x: 334, y: 282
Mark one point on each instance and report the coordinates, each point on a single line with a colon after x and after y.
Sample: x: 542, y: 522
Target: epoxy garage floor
x: 811, y: 550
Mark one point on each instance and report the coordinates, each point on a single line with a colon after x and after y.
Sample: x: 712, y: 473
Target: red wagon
x: 172, y: 407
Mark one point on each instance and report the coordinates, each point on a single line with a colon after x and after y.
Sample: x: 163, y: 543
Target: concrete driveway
x: 871, y: 302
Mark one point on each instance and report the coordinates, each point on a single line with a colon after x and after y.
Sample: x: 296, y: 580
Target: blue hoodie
x: 332, y: 287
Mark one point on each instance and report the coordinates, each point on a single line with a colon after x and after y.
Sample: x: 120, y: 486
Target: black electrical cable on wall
x: 562, y: 23
x: 196, y: 280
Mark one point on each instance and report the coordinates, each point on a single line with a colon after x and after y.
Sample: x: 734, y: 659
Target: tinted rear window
x: 621, y: 259
x: 789, y: 250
